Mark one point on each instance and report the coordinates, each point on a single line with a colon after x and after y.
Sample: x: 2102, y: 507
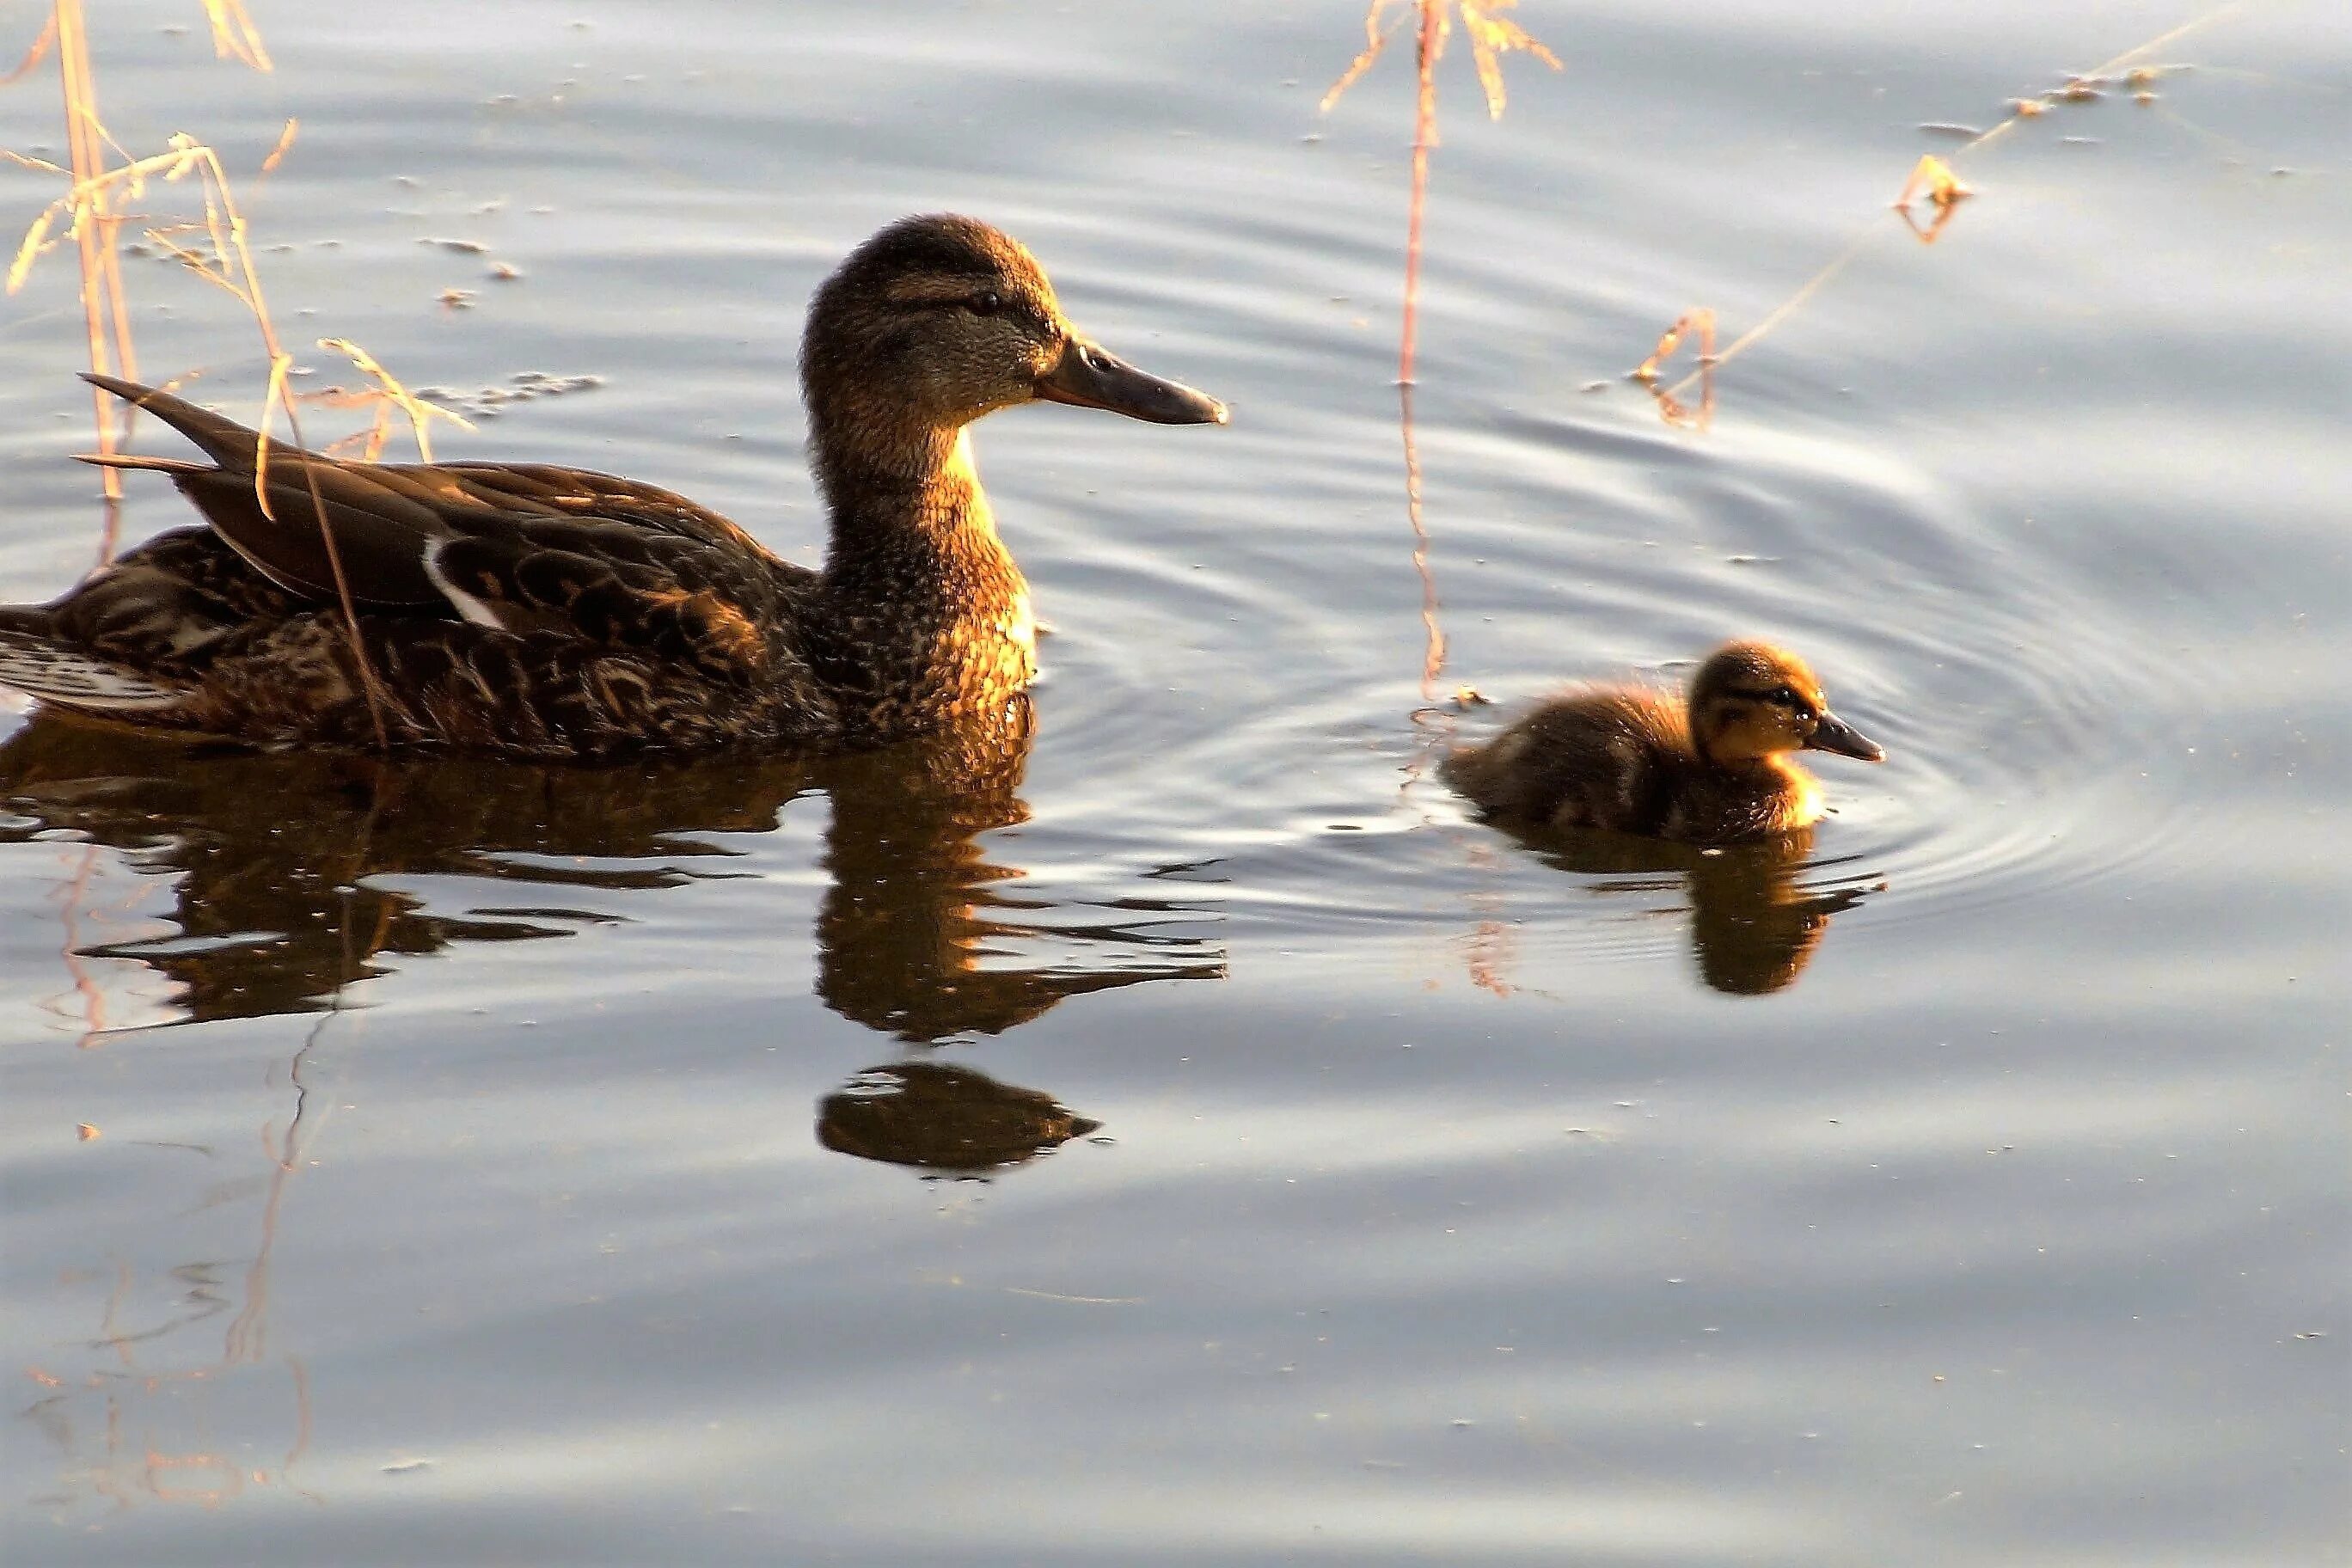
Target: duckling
x: 546, y: 612
x: 1712, y: 770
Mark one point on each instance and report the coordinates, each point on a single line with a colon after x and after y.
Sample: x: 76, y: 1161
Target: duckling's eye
x: 987, y: 302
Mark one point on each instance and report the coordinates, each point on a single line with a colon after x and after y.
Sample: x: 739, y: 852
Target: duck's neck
x: 927, y: 612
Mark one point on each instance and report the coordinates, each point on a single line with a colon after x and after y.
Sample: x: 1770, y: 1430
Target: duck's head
x: 936, y: 321
x: 1751, y: 700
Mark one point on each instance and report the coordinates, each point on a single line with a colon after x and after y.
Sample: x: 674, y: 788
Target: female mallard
x: 1712, y: 771
x: 548, y: 612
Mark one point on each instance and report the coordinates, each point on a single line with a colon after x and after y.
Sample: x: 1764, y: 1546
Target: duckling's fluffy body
x: 1713, y: 769
x: 550, y: 612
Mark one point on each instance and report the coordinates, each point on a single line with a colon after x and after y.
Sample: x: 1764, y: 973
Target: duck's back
x: 520, y: 608
x: 1624, y: 761
x: 1617, y: 760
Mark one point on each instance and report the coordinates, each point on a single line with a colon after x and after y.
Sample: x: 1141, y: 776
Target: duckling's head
x: 1751, y: 700
x: 940, y: 319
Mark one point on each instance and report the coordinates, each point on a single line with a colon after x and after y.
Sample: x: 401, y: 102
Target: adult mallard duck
x: 1712, y: 768
x: 548, y: 612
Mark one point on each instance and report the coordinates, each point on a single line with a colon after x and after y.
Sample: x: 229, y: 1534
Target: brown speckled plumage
x: 547, y: 612
x: 1713, y: 770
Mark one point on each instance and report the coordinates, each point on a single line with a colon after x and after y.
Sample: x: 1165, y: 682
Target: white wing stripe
x: 475, y: 610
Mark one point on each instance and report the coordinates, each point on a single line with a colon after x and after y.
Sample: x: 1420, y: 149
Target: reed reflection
x: 139, y: 1415
x: 1754, y: 923
x: 277, y: 859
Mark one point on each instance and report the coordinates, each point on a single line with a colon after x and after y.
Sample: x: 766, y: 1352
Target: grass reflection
x: 145, y: 1423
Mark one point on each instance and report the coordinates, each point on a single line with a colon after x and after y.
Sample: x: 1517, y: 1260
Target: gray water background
x: 512, y: 1166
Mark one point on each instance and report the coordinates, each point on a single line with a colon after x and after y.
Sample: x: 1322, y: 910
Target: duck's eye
x: 987, y: 302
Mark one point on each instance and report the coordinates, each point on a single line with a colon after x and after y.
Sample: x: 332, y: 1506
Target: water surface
x: 1170, y: 1128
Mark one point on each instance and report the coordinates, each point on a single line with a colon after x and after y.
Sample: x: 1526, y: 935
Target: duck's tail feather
x: 131, y: 460
x: 34, y: 661
x: 224, y: 440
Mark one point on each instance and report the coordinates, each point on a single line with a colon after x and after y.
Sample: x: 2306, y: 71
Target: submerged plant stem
x: 1433, y: 655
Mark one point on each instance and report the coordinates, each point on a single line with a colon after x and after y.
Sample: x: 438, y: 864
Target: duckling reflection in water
x: 1754, y: 926
x: 1713, y: 770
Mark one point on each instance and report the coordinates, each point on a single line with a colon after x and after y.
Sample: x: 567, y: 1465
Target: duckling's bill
x: 1088, y: 377
x: 1832, y: 733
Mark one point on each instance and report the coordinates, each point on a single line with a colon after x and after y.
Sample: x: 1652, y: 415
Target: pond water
x: 1181, y: 1133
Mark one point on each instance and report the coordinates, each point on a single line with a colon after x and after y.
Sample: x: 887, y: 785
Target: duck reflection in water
x: 945, y: 1121
x: 1754, y: 924
x: 274, y: 855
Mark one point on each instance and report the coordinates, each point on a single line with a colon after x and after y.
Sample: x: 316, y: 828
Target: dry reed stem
x: 95, y: 231
x: 285, y: 145
x: 1700, y: 321
x: 234, y: 35
x: 2022, y: 109
x: 1671, y: 408
x: 227, y: 262
x: 1931, y: 177
x: 1491, y: 38
x: 1426, y: 49
x: 389, y: 394
x: 35, y: 55
x: 221, y: 216
x: 95, y: 227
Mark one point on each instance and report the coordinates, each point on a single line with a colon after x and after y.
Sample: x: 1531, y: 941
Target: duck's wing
x: 518, y: 547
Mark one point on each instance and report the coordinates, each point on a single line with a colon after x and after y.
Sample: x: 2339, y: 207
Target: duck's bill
x: 1835, y: 734
x: 1090, y: 378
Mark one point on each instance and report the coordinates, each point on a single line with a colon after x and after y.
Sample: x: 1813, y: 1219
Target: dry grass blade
x: 1945, y: 197
x: 37, y: 240
x: 285, y: 145
x: 1700, y: 321
x: 1670, y: 407
x: 389, y: 395
x: 37, y: 165
x: 1492, y: 37
x: 1934, y: 180
x: 96, y: 223
x: 226, y: 261
x: 34, y: 56
x: 88, y: 202
x: 94, y: 231
x: 1375, y: 40
x: 234, y: 35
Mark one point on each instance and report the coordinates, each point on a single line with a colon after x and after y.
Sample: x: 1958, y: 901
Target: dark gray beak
x: 1087, y: 377
x: 1832, y: 733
